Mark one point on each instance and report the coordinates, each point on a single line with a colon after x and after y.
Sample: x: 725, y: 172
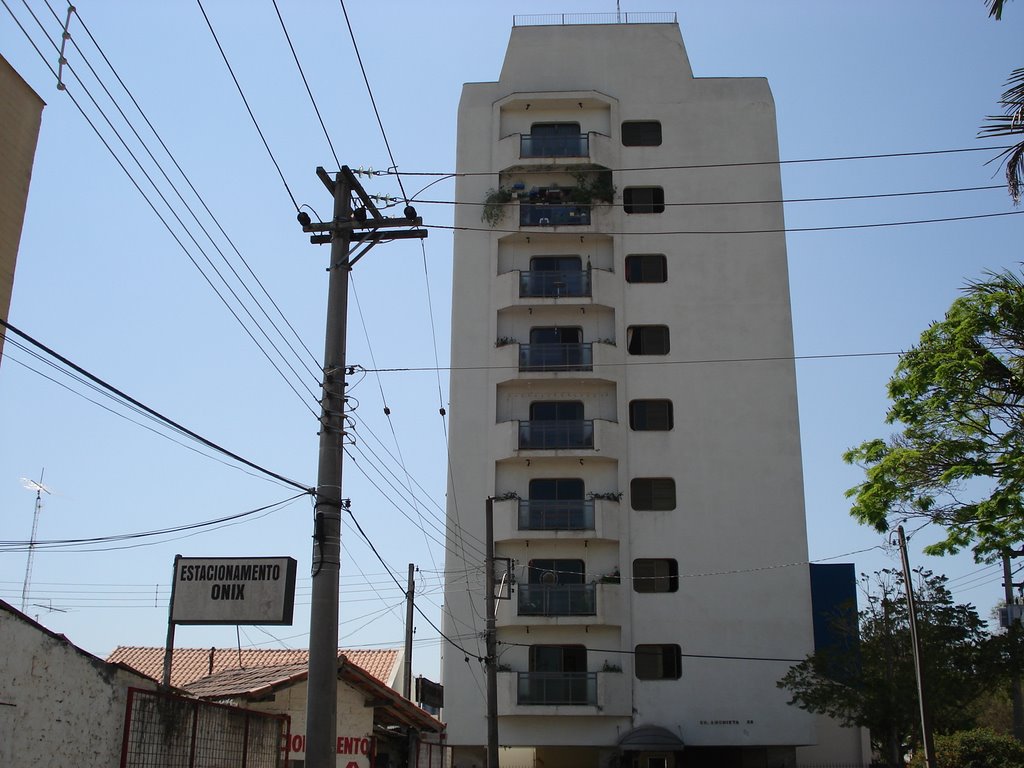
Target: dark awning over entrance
x: 650, y: 738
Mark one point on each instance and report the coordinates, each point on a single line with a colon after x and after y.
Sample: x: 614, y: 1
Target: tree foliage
x: 977, y: 748
x: 958, y: 398
x: 873, y: 685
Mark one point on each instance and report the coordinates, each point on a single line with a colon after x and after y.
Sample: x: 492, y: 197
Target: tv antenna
x: 40, y: 489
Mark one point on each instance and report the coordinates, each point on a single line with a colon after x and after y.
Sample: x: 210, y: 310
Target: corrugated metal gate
x: 162, y: 730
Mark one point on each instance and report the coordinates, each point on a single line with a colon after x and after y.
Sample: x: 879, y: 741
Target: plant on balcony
x: 608, y: 495
x: 592, y: 187
x: 507, y: 495
x: 504, y: 341
x: 609, y: 667
x: 494, y: 205
x: 611, y: 578
x: 502, y: 667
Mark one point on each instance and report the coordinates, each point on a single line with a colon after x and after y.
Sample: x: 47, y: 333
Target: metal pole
x: 169, y: 646
x: 322, y: 685
x: 926, y: 730
x: 410, y: 592
x: 492, y: 643
x: 1012, y: 627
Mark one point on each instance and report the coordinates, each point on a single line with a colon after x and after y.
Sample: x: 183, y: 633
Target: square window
x: 643, y: 200
x: 655, y: 575
x: 658, y: 662
x: 641, y: 133
x: 647, y: 340
x: 646, y: 268
x: 652, y: 493
x: 650, y: 415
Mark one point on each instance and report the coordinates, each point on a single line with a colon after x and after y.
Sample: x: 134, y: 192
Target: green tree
x: 977, y: 748
x: 872, y: 684
x: 958, y: 398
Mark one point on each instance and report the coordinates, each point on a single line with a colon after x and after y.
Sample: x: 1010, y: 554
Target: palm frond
x: 1010, y: 123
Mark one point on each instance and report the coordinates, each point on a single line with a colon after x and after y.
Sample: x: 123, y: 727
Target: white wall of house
x: 355, y: 721
x: 58, y: 704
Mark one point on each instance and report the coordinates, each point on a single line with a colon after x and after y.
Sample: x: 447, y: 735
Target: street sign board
x: 233, y: 590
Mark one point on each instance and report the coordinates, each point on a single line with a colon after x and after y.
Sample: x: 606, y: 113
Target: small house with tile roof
x: 377, y: 726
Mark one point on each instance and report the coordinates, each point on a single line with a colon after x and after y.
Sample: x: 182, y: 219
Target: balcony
x: 556, y: 435
x: 541, y: 284
x: 573, y: 694
x: 557, y: 599
x: 556, y: 357
x: 553, y: 215
x: 526, y: 520
x: 552, y: 515
x: 554, y: 146
x: 556, y: 688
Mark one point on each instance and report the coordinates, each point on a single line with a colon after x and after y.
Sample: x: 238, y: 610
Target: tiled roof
x: 191, y: 664
x: 390, y: 707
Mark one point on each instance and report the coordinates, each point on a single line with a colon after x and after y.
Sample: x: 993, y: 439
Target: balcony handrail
x: 554, y: 356
x: 557, y: 600
x: 574, y: 145
x: 556, y: 435
x: 556, y: 514
x: 548, y: 283
x: 555, y: 688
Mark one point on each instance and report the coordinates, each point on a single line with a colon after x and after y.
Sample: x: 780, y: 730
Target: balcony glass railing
x: 552, y: 688
x: 549, y: 283
x: 554, y: 146
x: 556, y: 357
x: 548, y: 215
x: 555, y: 435
x: 557, y: 600
x: 552, y: 515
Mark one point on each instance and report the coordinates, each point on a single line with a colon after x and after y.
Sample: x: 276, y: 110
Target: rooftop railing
x: 563, y: 19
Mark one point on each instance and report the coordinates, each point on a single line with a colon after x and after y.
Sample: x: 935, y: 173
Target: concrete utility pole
x: 926, y: 724
x: 344, y: 230
x: 1013, y: 627
x: 410, y: 593
x: 490, y: 607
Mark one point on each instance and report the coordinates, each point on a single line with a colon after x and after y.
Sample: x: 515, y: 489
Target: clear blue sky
x: 102, y: 281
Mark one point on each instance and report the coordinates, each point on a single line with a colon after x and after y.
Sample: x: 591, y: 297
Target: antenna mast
x: 32, y: 485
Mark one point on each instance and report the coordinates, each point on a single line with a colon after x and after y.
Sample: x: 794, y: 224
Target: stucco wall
x: 20, y: 114
x: 59, y: 706
x: 734, y: 449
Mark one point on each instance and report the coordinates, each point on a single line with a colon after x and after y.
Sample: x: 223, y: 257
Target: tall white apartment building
x: 623, y: 387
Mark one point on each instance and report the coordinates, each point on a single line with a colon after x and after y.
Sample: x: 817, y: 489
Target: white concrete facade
x: 729, y: 445
x: 58, y: 704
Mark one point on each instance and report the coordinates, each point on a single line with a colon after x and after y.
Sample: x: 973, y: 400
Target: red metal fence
x: 162, y: 730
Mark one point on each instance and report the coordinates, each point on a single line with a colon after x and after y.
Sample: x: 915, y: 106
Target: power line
x: 145, y: 196
x: 247, y: 107
x: 198, y: 196
x: 305, y: 82
x: 399, y: 584
x: 61, y: 543
x: 701, y: 361
x: 184, y: 430
x: 825, y: 199
x: 373, y: 102
x: 775, y: 230
x: 15, y: 343
x: 683, y: 655
x: 697, y: 166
